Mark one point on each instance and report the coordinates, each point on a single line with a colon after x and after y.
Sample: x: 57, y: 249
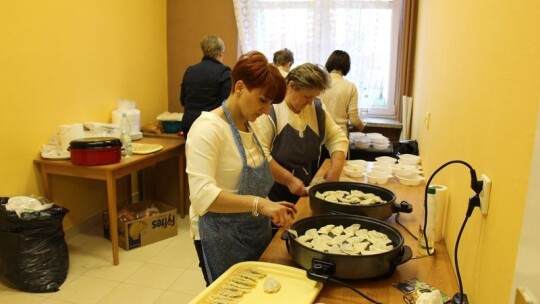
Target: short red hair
x: 256, y: 72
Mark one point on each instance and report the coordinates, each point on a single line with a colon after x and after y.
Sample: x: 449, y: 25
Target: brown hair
x: 309, y: 76
x: 256, y: 72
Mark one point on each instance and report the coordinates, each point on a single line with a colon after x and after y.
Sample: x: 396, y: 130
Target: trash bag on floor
x: 33, y: 252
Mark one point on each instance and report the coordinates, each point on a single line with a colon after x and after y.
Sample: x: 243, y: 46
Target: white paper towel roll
x: 441, y: 197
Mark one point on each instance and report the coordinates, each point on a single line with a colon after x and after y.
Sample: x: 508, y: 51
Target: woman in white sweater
x: 341, y: 99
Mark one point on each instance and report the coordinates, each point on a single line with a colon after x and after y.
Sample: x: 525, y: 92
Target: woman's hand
x: 332, y: 175
x: 296, y: 186
x: 281, y: 213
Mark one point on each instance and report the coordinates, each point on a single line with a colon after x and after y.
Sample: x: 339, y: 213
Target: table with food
x: 353, y: 241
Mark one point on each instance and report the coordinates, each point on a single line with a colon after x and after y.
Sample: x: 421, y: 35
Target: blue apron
x: 230, y: 238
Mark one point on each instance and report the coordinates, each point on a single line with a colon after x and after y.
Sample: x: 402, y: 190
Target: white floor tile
x: 131, y: 294
x: 84, y: 290
x: 190, y: 282
x: 155, y: 276
x: 169, y: 297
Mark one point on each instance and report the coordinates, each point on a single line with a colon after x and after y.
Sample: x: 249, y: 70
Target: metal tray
x: 295, y: 286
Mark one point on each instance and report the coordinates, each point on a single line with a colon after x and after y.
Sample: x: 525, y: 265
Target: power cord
x: 322, y: 271
x: 474, y: 201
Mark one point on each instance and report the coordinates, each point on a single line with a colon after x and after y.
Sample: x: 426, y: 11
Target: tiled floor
x: 161, y: 273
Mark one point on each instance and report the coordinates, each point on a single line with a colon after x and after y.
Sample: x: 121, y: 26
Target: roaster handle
x: 404, y: 207
x: 286, y: 236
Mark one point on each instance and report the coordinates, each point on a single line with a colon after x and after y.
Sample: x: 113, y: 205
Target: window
x: 367, y: 30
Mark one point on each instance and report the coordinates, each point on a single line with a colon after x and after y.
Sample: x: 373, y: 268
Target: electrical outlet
x: 484, y: 194
x: 426, y: 120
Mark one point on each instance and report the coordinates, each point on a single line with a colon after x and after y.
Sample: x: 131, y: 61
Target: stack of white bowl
x: 408, y: 170
x: 378, y: 141
x: 359, y: 140
x: 355, y: 168
x: 381, y: 170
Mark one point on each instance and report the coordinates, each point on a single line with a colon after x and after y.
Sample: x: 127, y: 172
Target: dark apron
x: 230, y: 238
x: 299, y: 155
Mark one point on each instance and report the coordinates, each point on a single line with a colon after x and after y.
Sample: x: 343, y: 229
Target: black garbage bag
x: 33, y: 251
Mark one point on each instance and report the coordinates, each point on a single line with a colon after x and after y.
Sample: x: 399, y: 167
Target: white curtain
x: 313, y: 29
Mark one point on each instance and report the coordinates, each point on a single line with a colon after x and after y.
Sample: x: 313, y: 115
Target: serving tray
x: 295, y: 286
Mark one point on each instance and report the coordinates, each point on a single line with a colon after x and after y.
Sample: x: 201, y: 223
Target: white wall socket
x: 484, y: 194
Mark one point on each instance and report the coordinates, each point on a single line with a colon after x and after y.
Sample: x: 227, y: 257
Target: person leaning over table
x: 283, y: 60
x: 341, y: 99
x: 229, y: 175
x: 294, y: 131
x: 206, y: 84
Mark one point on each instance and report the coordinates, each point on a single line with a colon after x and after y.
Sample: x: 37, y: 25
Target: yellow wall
x: 477, y: 72
x: 65, y: 61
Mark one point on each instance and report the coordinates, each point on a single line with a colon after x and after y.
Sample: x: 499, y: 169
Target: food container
x: 377, y: 211
x: 95, y: 151
x: 349, y: 266
x: 379, y: 177
x: 171, y: 126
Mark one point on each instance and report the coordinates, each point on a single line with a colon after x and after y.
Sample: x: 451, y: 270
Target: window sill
x: 383, y: 123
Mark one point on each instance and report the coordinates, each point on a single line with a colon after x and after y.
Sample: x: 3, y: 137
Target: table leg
x: 129, y: 190
x: 47, y: 187
x: 113, y: 224
x: 181, y: 183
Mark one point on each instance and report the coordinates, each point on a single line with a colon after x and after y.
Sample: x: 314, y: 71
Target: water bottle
x: 431, y: 225
x: 125, y: 138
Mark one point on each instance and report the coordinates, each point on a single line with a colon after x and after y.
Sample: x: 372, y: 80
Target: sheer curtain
x: 312, y: 29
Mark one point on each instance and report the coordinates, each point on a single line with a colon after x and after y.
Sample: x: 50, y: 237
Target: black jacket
x: 204, y: 87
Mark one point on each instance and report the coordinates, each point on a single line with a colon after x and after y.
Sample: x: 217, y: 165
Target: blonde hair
x: 309, y: 76
x: 211, y: 46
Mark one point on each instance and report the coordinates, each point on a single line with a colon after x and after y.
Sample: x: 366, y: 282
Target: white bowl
x: 361, y: 145
x: 383, y: 146
x: 380, y: 140
x: 404, y: 170
x: 357, y: 162
x: 379, y: 178
x: 383, y: 169
x: 415, y: 180
x: 354, y: 171
x: 409, y: 159
x: 372, y: 135
x: 386, y: 159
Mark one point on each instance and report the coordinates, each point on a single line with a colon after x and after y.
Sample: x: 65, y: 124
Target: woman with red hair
x: 229, y: 175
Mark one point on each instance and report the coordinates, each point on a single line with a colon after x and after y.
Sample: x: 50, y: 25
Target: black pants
x: 198, y: 248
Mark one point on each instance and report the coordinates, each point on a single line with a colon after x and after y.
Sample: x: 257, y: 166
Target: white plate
x: 295, y: 286
x: 140, y: 148
x: 56, y: 155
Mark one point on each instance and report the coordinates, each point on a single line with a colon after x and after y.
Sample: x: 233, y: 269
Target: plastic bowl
x: 357, y: 162
x: 383, y: 146
x: 379, y: 178
x: 414, y: 180
x: 409, y: 159
x: 404, y: 170
x: 354, y: 171
x: 171, y: 126
x: 380, y: 140
x: 386, y: 159
x: 384, y: 169
x: 361, y: 145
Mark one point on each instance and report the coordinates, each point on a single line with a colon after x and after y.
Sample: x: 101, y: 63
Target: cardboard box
x: 146, y: 230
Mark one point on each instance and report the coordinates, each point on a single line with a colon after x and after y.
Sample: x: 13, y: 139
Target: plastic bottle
x: 431, y: 224
x: 125, y: 138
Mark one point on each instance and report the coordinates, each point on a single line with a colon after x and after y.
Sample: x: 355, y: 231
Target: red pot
x: 95, y: 151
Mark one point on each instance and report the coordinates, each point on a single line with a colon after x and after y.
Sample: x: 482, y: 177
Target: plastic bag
x: 33, y: 252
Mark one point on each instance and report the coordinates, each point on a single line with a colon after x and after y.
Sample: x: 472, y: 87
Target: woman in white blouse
x: 229, y: 175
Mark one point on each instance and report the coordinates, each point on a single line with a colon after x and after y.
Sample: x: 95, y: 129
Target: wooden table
x: 435, y: 270
x: 172, y: 148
